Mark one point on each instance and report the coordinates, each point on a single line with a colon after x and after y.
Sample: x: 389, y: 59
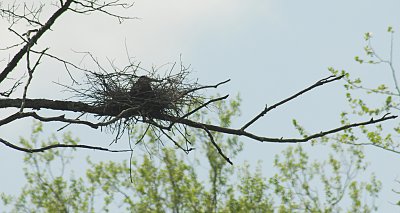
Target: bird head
x: 144, y: 79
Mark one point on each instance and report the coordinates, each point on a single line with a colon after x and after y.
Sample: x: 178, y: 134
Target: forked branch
x: 267, y: 109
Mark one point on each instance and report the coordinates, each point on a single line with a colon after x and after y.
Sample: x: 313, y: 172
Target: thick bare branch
x: 240, y: 132
x: 17, y: 57
x: 55, y: 105
x: 81, y: 107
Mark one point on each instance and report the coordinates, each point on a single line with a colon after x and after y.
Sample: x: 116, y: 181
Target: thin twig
x: 65, y: 126
x: 317, y: 84
x: 42, y: 149
x: 216, y: 145
x: 30, y: 75
x: 198, y: 108
x: 206, y: 87
x: 175, y: 142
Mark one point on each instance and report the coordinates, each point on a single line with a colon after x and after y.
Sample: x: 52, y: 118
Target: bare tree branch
x: 198, y: 108
x: 81, y: 107
x: 216, y: 145
x: 240, y: 132
x: 88, y: 6
x: 267, y: 109
x: 8, y: 92
x: 205, y: 87
x: 29, y: 15
x: 30, y: 76
x: 42, y: 149
x: 17, y: 57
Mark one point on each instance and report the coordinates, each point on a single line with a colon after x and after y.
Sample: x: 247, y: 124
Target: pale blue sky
x: 270, y: 49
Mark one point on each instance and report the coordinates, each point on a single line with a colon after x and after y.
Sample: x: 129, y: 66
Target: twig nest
x: 148, y: 96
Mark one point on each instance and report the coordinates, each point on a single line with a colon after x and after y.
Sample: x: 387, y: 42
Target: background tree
x: 382, y: 92
x: 373, y: 98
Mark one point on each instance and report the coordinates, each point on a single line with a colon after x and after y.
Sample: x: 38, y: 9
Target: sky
x: 269, y: 49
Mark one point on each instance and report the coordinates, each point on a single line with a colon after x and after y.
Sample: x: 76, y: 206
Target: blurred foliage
x: 377, y: 100
x: 172, y: 183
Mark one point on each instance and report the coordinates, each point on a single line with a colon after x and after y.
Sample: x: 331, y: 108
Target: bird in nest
x: 142, y: 89
x: 143, y: 95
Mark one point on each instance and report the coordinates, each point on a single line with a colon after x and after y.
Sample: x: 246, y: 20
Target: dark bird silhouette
x: 142, y: 90
x: 143, y: 95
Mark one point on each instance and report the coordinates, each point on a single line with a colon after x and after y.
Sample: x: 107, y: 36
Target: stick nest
x: 147, y: 96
